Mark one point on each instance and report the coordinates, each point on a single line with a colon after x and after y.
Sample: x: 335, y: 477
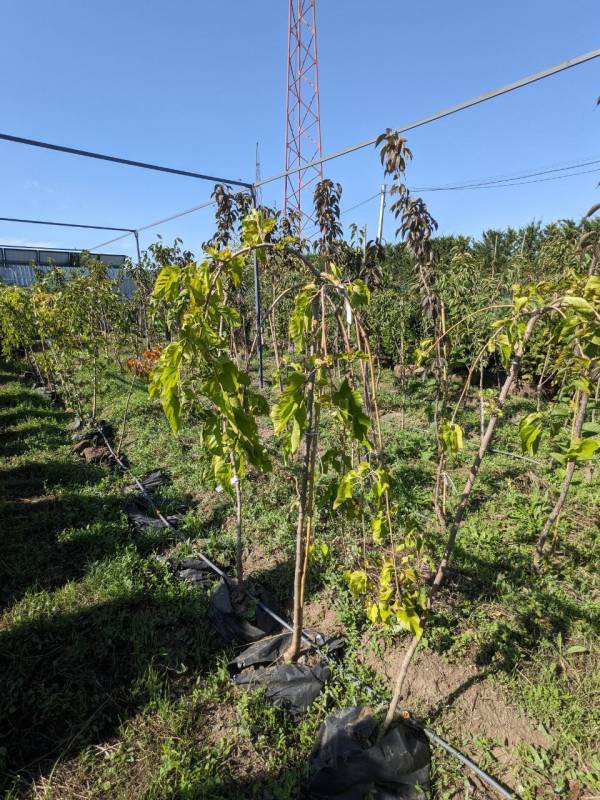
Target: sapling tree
x: 417, y: 227
x: 92, y: 315
x: 318, y: 390
x: 574, y: 341
x: 18, y: 330
x: 195, y: 372
x: 573, y: 305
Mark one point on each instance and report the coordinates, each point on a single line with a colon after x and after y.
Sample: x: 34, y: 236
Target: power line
x: 117, y: 160
x: 513, y: 177
x: 509, y: 181
x: 503, y: 185
x: 155, y: 224
x: 495, y: 184
x: 509, y: 87
x: 66, y: 224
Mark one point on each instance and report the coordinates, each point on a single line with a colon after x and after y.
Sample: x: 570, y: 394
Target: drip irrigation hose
x: 431, y: 735
x: 498, y: 787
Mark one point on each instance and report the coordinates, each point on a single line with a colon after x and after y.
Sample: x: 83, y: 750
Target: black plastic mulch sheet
x: 270, y: 650
x: 141, y: 514
x: 232, y: 627
x: 194, y: 570
x: 348, y: 763
x: 291, y: 686
x: 151, y: 482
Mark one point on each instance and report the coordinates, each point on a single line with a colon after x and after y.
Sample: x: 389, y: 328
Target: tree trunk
x: 310, y: 443
x: 239, y: 563
x: 95, y: 389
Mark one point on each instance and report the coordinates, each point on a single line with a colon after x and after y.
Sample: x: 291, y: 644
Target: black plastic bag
x: 348, y: 763
x: 138, y: 511
x: 95, y: 434
x: 292, y: 686
x: 196, y: 571
x: 234, y: 627
x: 269, y: 650
x: 151, y: 482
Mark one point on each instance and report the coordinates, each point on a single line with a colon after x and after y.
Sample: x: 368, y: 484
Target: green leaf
x: 223, y: 473
x: 166, y: 286
x: 451, y: 436
x: 583, y: 385
x: 165, y: 383
x: 301, y: 316
x: 358, y: 294
x: 530, y: 432
x: 349, y: 410
x: 377, y: 527
x: 575, y: 649
x: 357, y: 582
x: 578, y: 303
x: 582, y: 449
x: 410, y: 620
x: 347, y: 483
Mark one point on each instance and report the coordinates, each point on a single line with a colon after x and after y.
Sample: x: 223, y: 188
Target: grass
x: 116, y: 687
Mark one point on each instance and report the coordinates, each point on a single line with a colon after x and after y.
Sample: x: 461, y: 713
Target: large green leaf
x: 530, y: 431
x: 350, y: 411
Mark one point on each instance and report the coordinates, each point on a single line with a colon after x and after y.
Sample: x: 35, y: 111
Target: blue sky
x: 196, y: 84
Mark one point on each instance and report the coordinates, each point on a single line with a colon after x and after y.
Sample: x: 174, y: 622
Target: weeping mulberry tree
x: 196, y: 372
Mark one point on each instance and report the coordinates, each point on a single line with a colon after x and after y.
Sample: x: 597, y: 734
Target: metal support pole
x: 143, y: 319
x: 381, y: 210
x: 259, y: 339
x: 137, y: 244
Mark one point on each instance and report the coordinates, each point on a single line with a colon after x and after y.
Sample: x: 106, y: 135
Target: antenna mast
x: 303, y: 113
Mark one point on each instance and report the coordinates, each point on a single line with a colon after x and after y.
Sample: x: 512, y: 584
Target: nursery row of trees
x: 334, y: 313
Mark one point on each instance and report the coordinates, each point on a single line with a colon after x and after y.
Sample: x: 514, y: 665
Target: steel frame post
x: 259, y: 338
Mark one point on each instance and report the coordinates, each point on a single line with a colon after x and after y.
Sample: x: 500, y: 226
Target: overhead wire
x: 118, y: 160
x: 509, y: 87
x: 155, y: 224
x: 66, y: 224
x: 517, y: 180
x: 518, y: 176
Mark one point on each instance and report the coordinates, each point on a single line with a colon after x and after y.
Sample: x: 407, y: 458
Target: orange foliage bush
x: 143, y: 366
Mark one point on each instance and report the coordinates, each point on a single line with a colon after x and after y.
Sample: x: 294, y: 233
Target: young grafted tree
x: 196, y: 372
x: 417, y: 227
x: 318, y: 389
x: 574, y: 343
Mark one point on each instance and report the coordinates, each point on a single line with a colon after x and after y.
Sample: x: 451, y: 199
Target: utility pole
x: 258, y: 190
x: 381, y: 209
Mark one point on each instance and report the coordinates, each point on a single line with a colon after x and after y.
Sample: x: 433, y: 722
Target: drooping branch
x: 462, y: 507
x: 564, y: 489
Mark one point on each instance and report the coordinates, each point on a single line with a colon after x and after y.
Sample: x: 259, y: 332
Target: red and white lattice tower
x: 303, y: 114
